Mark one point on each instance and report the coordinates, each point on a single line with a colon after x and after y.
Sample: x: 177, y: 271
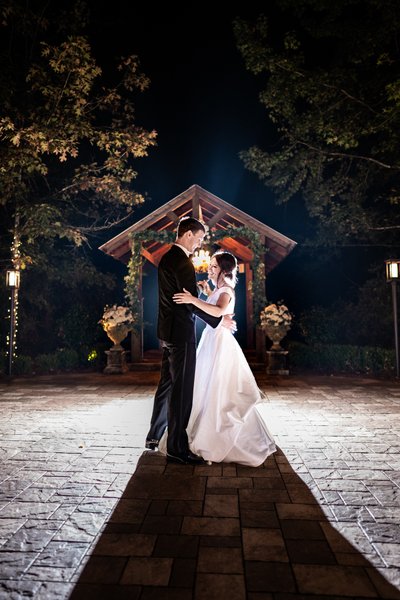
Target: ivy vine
x: 132, y: 279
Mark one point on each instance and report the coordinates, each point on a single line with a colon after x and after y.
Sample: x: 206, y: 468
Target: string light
x: 13, y: 282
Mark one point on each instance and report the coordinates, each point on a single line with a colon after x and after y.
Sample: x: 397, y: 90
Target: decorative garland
x: 132, y: 280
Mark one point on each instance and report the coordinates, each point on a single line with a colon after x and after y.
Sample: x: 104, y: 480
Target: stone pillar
x: 277, y: 362
x: 116, y: 361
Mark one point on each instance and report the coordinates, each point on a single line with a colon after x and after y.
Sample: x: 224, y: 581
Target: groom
x: 176, y: 331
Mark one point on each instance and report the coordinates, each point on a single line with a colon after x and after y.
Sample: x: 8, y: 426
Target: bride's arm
x: 216, y: 310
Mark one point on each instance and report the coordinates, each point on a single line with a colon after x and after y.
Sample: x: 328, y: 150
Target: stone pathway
x: 86, y: 514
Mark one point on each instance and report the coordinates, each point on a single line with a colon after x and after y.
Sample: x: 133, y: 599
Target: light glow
x: 392, y: 269
x: 201, y: 260
x: 13, y: 279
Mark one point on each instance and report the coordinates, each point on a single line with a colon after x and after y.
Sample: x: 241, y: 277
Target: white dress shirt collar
x: 188, y: 254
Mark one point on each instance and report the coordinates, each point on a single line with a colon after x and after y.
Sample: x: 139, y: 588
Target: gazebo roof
x: 214, y: 212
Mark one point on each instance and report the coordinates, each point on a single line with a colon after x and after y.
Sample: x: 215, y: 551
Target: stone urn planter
x: 117, y: 322
x: 276, y: 334
x: 276, y: 321
x: 117, y: 334
x: 116, y: 356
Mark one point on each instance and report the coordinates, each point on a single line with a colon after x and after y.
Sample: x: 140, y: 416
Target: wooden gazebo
x: 215, y: 213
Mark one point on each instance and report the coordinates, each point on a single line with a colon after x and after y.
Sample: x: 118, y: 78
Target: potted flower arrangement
x: 117, y: 321
x: 276, y: 320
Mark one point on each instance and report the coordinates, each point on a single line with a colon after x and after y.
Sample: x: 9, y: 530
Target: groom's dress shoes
x: 187, y: 458
x: 151, y: 444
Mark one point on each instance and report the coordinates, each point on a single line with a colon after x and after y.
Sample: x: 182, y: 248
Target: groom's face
x: 196, y: 240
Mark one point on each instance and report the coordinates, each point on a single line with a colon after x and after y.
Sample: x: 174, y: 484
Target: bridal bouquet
x: 276, y: 315
x: 116, y: 316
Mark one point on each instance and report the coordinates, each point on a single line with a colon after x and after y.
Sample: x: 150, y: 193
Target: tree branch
x: 349, y: 156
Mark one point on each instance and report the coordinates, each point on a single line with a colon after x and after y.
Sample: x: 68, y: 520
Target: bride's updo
x: 228, y: 265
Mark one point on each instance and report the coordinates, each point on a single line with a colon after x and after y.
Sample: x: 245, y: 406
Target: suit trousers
x: 174, y: 396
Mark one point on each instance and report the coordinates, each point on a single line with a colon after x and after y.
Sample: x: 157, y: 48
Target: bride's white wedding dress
x: 224, y: 424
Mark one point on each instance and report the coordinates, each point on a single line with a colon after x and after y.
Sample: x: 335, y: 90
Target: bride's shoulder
x: 227, y: 290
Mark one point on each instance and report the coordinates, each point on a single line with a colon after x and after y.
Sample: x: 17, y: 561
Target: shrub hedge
x: 63, y: 359
x: 340, y: 358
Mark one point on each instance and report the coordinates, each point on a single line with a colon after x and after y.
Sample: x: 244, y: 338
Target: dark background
x: 204, y: 106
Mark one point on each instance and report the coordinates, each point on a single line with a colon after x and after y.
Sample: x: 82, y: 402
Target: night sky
x: 204, y: 106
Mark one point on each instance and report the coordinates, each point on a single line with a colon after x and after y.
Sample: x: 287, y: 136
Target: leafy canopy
x: 68, y: 133
x: 331, y: 87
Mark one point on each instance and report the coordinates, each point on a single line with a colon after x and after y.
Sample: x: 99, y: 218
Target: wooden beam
x: 237, y: 248
x: 121, y: 250
x: 195, y: 207
x: 173, y: 216
x: 194, y: 198
x: 158, y: 254
x: 215, y: 218
x: 109, y: 246
x: 149, y: 256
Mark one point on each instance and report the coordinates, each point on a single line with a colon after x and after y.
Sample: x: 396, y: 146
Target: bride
x: 224, y: 425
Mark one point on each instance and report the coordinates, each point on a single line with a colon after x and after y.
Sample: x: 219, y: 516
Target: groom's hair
x: 189, y: 224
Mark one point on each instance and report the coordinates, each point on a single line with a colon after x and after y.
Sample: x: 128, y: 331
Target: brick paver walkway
x: 321, y: 518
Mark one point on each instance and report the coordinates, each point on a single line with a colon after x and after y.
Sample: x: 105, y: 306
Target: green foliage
x: 68, y: 140
x: 3, y: 362
x: 132, y: 279
x: 46, y: 363
x: 330, y: 359
x: 330, y: 80
x: 67, y: 359
x: 365, y: 321
x: 78, y: 328
x: 22, y: 365
x: 61, y: 300
x: 61, y: 360
x: 69, y: 145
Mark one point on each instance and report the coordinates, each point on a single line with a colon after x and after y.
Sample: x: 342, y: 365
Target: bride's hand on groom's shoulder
x: 229, y: 323
x: 204, y: 287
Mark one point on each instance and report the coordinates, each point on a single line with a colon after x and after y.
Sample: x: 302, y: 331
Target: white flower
x: 116, y: 315
x: 277, y: 315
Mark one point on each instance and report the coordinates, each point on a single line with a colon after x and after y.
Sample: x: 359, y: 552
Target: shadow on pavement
x: 183, y: 533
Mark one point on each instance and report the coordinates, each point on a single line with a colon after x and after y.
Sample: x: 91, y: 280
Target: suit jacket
x: 176, y: 322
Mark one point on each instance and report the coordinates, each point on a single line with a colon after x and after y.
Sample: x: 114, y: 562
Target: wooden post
x: 260, y: 344
x: 249, y: 305
x: 260, y: 335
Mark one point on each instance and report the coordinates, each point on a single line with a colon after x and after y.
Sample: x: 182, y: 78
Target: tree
x: 331, y: 87
x: 69, y: 142
x: 68, y: 136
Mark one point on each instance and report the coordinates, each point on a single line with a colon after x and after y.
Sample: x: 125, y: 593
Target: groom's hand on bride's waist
x: 229, y: 323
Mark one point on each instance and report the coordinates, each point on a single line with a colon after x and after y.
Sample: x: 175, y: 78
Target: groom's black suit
x: 177, y: 333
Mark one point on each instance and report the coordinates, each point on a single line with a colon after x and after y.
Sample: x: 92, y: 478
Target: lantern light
x: 393, y: 276
x: 392, y: 269
x: 13, y: 278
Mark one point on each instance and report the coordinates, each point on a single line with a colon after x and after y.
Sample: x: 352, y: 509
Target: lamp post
x: 12, y: 282
x: 392, y: 276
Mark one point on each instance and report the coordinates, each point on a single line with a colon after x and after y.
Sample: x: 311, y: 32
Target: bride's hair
x: 228, y: 265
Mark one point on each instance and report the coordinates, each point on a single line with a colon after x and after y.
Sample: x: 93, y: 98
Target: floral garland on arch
x: 132, y: 279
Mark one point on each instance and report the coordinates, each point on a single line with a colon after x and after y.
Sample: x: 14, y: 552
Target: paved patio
x: 86, y: 514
